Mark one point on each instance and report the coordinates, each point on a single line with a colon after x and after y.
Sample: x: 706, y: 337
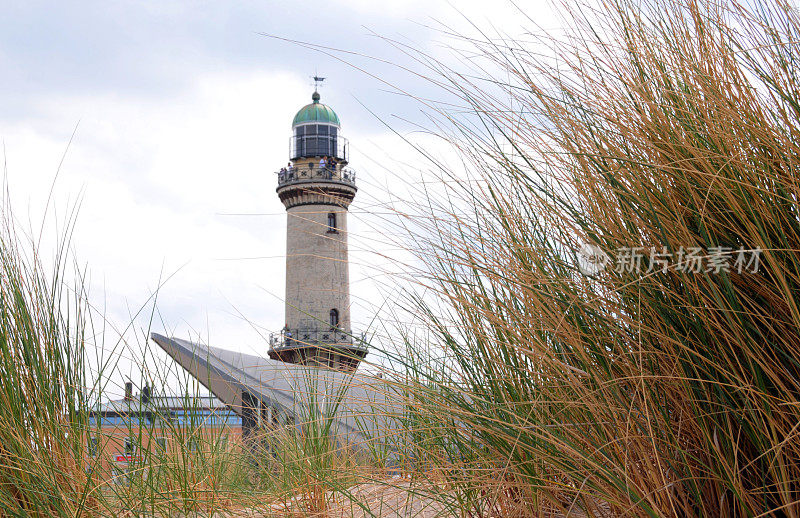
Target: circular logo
x: 592, y: 260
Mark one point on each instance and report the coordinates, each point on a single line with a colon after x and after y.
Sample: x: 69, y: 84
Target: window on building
x: 266, y: 415
x: 161, y: 443
x: 250, y: 414
x: 130, y: 446
x: 194, y: 445
x: 93, y: 443
x: 121, y: 476
x: 299, y: 142
x: 334, y: 318
x: 332, y: 229
x: 222, y: 443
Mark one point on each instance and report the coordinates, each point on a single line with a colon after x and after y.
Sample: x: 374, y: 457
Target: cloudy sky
x: 181, y: 113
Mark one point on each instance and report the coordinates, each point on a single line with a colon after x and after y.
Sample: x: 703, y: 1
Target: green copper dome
x: 316, y: 112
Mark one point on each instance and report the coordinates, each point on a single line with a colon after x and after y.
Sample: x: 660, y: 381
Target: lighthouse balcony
x: 297, y: 338
x: 313, y: 172
x: 333, y: 349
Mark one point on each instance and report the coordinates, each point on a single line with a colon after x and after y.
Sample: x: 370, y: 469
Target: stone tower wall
x: 317, y: 272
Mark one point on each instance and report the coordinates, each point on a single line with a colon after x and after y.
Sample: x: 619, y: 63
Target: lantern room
x: 316, y: 132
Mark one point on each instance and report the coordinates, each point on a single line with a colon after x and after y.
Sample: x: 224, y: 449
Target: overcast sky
x: 181, y: 113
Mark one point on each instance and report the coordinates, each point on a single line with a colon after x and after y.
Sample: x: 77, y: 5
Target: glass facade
x: 198, y: 417
x: 317, y: 140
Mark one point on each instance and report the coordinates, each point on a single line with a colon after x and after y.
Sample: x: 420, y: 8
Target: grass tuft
x: 661, y: 127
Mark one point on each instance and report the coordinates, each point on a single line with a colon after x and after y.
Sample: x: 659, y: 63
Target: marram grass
x: 42, y: 402
x: 49, y: 386
x: 655, y: 391
x: 663, y: 127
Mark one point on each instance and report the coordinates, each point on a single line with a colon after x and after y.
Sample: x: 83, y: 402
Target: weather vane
x: 318, y: 81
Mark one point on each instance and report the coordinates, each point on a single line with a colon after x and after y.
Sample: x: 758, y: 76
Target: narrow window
x: 93, y: 442
x: 334, y: 318
x: 332, y: 223
x: 130, y: 448
x: 121, y: 476
x: 299, y: 142
x: 334, y: 149
x: 161, y: 443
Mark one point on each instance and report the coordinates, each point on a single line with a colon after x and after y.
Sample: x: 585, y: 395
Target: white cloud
x: 158, y: 169
x: 157, y: 177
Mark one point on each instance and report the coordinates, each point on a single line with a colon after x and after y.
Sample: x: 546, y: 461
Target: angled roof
x: 360, y: 405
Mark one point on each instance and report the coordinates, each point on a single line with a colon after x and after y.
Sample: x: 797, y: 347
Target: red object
x: 127, y: 458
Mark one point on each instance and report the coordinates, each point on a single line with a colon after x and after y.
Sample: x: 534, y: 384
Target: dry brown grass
x: 660, y: 125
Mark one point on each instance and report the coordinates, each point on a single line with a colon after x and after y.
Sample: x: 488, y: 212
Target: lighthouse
x: 317, y: 187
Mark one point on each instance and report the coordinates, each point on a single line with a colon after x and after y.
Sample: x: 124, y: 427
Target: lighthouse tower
x: 316, y: 188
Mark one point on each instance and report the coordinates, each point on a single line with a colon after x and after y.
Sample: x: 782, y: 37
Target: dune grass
x: 42, y: 378
x: 654, y: 133
x: 55, y: 456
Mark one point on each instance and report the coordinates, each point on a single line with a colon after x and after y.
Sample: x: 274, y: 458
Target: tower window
x: 334, y: 318
x: 332, y: 223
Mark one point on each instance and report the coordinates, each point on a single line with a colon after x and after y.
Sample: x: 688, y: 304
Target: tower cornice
x: 317, y: 193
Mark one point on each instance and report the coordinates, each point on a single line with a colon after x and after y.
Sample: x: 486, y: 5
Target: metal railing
x: 318, y: 145
x: 293, y: 338
x: 315, y: 172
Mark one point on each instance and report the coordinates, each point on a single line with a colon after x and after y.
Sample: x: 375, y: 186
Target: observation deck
x: 311, y: 184
x: 314, y: 173
x: 335, y: 342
